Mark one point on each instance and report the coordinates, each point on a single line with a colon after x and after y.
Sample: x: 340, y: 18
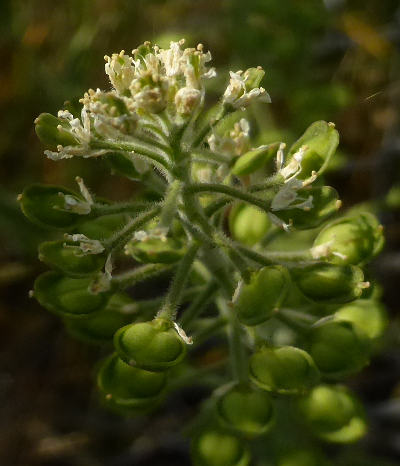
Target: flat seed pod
x: 321, y: 140
x: 129, y: 386
x: 325, y: 203
x: 285, y: 370
x: 154, y: 346
x: 247, y: 224
x: 68, y: 296
x: 66, y: 257
x: 352, y: 240
x: 302, y: 457
x: 102, y: 227
x: 101, y: 326
x: 156, y: 250
x: 333, y: 414
x: 53, y: 131
x: 329, y: 283
x: 218, y: 448
x: 367, y: 314
x: 121, y: 164
x: 246, y: 409
x: 338, y: 347
x: 254, y: 160
x: 264, y: 294
x: 43, y: 205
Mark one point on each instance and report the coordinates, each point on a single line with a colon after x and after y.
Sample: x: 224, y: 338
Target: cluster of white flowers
x: 154, y: 76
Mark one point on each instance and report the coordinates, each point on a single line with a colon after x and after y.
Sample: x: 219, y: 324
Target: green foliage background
x: 335, y: 60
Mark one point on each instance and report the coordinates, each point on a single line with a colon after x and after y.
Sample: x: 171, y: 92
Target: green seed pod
x: 302, y: 458
x: 333, y: 414
x: 352, y: 240
x: 329, y: 283
x: 45, y: 206
x: 129, y: 387
x: 369, y: 315
x: 103, y: 227
x: 248, y: 224
x: 284, y: 370
x: 154, y: 346
x: 121, y: 164
x: 254, y: 160
x: 156, y: 250
x: 246, y: 410
x: 338, y: 347
x: 68, y: 296
x: 53, y: 131
x: 66, y: 257
x: 99, y: 327
x: 325, y: 203
x: 218, y: 448
x: 264, y: 294
x: 321, y: 140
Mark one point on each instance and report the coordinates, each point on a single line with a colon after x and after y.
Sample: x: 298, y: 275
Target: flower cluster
x: 294, y: 320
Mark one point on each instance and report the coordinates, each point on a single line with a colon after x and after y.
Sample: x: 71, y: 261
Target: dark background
x: 335, y: 60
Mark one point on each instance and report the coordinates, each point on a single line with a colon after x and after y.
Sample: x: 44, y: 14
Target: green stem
x: 230, y: 191
x: 216, y: 205
x: 120, y: 238
x: 146, y: 150
x: 292, y: 322
x: 210, y: 328
x: 98, y: 210
x: 140, y: 274
x: 174, y: 296
x: 170, y: 204
x: 273, y: 257
x: 237, y: 350
x: 199, y: 304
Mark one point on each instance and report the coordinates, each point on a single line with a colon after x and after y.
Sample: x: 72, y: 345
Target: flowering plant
x: 295, y: 321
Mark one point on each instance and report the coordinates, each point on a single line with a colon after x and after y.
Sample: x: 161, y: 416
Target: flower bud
x: 218, y: 448
x: 254, y: 159
x: 248, y: 224
x: 69, y: 259
x: 186, y: 100
x: 68, y: 296
x: 329, y: 283
x: 369, y: 315
x: 48, y: 206
x: 319, y: 141
x: 53, y: 131
x: 154, y: 346
x: 303, y: 215
x: 352, y: 240
x: 246, y: 410
x: 333, y: 414
x: 156, y: 250
x: 99, y: 327
x: 284, y: 370
x: 265, y: 292
x: 129, y: 387
x: 338, y: 347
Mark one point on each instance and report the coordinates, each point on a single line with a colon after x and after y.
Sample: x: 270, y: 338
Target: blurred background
x: 336, y: 60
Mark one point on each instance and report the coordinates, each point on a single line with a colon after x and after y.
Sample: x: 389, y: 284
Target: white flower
x: 172, y: 58
x: 238, y: 94
x: 86, y: 245
x: 120, y: 70
x: 288, y: 195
